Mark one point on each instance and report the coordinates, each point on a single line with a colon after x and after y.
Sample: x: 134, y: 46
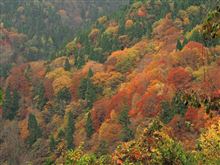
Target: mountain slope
x: 140, y: 87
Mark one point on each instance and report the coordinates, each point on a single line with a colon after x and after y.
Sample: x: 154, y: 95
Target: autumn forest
x: 110, y: 82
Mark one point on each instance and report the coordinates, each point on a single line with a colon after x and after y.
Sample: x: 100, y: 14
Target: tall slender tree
x: 82, y: 88
x: 87, y: 90
x: 90, y: 94
x: 69, y: 131
x: 179, y: 45
x: 15, y: 104
x: 67, y: 65
x: 40, y: 98
x: 35, y: 131
x: 127, y: 133
x: 6, y: 107
x: 52, y: 143
x: 185, y: 41
x: 89, y: 126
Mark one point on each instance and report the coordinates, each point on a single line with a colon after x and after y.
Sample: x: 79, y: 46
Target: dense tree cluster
x: 34, y: 129
x: 10, y: 105
x: 69, y: 131
x: 133, y: 88
x: 87, y: 90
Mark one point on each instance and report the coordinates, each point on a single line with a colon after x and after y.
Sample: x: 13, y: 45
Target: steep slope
x: 47, y: 24
x: 139, y: 87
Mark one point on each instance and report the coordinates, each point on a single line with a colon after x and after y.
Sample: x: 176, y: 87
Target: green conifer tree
x: 67, y: 65
x: 6, y: 106
x: 87, y: 89
x: 89, y: 126
x: 90, y: 73
x: 40, y: 98
x: 34, y: 129
x: 185, y: 41
x: 127, y: 133
x: 82, y: 88
x: 52, y: 143
x: 64, y: 95
x: 90, y: 94
x: 179, y: 45
x: 80, y: 61
x: 69, y: 131
x: 15, y: 104
x: 167, y: 113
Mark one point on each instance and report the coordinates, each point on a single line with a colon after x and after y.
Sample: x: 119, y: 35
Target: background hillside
x: 140, y: 84
x: 38, y: 29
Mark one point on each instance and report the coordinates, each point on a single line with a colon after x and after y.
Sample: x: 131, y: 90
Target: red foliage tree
x: 99, y: 112
x: 195, y: 45
x: 191, y: 114
x: 18, y: 80
x: 149, y: 104
x: 179, y: 77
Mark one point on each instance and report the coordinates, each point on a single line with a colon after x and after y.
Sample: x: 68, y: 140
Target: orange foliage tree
x: 179, y: 77
x: 19, y: 79
x: 60, y: 78
x: 99, y: 112
x: 110, y: 132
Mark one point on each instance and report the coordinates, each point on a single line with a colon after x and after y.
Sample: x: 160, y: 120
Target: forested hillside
x: 138, y: 84
x: 38, y: 29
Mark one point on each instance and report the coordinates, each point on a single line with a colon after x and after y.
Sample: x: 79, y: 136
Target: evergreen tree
x: 39, y: 96
x: 90, y: 94
x: 127, y: 133
x: 4, y: 70
x: 89, y: 126
x: 185, y: 41
x: 34, y: 129
x: 15, y: 104
x: 90, y: 73
x: 178, y: 104
x: 67, y: 65
x: 10, y: 104
x: 64, y: 95
x: 87, y: 89
x: 80, y: 61
x: 167, y: 113
x: 52, y: 143
x: 61, y: 134
x: 82, y: 88
x: 6, y: 106
x: 123, y: 116
x: 69, y: 131
x: 179, y: 45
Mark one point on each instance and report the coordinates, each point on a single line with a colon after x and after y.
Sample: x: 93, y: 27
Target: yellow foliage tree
x: 58, y: 72
x: 111, y: 30
x: 110, y: 132
x: 61, y: 82
x: 102, y: 19
x: 209, y: 144
x: 94, y: 33
x: 61, y: 79
x: 129, y: 23
x: 107, y: 79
